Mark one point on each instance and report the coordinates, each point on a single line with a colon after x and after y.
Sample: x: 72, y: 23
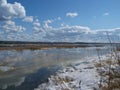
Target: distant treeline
x: 27, y: 42
x: 2, y: 43
x: 21, y: 45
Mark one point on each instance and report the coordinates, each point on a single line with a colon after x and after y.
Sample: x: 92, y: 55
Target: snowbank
x: 79, y: 76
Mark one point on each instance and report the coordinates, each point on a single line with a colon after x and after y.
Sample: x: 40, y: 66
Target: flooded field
x: 26, y: 69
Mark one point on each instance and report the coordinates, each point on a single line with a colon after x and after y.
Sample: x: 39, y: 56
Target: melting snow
x: 79, y: 76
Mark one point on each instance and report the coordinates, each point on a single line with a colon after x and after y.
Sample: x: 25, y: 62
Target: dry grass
x: 61, y: 81
x: 102, y: 64
x: 38, y: 47
x: 112, y: 74
x: 114, y: 85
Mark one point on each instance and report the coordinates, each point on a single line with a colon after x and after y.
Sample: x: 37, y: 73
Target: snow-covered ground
x: 81, y: 75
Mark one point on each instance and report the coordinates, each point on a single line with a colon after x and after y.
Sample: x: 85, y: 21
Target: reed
x: 109, y: 70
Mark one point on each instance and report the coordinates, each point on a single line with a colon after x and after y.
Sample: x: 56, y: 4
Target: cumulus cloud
x: 28, y: 19
x: 46, y: 32
x: 71, y: 34
x: 46, y: 24
x: 37, y: 24
x: 81, y: 34
x: 9, y: 11
x: 10, y: 26
x: 71, y: 14
x: 37, y: 29
x: 68, y: 32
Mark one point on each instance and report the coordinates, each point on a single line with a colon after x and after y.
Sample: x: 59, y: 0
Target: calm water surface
x: 25, y: 70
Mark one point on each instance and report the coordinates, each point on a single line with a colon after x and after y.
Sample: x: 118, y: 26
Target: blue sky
x: 90, y: 13
x: 43, y: 19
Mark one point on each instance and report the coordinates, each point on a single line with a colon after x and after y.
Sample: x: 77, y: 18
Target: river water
x: 26, y: 69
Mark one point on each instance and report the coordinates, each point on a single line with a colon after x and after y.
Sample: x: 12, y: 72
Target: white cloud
x: 64, y: 25
x: 80, y: 34
x: 71, y: 14
x: 106, y: 14
x: 69, y: 33
x: 37, y: 24
x: 9, y: 11
x: 10, y: 26
x: 46, y: 24
x: 28, y: 19
x: 36, y: 28
x: 45, y: 32
x: 48, y: 21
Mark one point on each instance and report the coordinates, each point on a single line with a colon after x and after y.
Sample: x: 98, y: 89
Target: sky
x: 60, y: 20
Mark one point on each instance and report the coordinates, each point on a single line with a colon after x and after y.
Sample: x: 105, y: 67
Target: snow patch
x: 81, y: 75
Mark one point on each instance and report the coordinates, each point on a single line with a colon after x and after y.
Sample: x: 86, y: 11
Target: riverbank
x: 82, y: 75
x: 22, y: 45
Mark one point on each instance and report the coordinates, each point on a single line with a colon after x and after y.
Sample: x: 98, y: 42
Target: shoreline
x: 41, y: 47
x: 81, y: 75
x: 16, y: 45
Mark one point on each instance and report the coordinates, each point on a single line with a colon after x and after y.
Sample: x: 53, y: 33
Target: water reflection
x: 17, y: 68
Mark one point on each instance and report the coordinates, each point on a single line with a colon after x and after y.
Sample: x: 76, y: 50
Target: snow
x: 81, y: 75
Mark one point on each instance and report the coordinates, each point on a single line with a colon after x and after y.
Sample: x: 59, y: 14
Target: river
x: 26, y: 69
